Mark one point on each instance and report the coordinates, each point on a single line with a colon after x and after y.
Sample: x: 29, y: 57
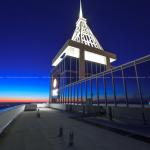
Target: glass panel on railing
x: 119, y: 87
x: 109, y: 89
x: 144, y: 80
x: 132, y: 86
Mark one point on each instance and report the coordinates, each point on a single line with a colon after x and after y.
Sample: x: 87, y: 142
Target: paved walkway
x: 31, y: 133
x: 142, y: 131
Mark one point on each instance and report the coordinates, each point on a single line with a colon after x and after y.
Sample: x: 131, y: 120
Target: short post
x: 71, y: 139
x: 110, y: 113
x: 60, y: 132
x: 38, y: 114
x: 83, y: 109
x: 144, y: 119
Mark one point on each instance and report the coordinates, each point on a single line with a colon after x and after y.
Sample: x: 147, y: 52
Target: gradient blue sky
x: 32, y: 32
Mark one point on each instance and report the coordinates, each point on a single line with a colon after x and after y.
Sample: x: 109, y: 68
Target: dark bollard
x: 71, y: 139
x: 38, y: 114
x: 83, y: 110
x: 144, y: 119
x: 110, y: 113
x: 60, y: 132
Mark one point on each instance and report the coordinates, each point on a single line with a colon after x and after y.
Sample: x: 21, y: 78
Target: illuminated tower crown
x: 83, y: 34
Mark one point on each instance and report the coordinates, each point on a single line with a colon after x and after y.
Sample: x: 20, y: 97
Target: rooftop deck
x: 28, y: 132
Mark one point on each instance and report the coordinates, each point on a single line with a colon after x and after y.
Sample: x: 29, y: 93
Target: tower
x: 83, y: 33
x: 80, y: 57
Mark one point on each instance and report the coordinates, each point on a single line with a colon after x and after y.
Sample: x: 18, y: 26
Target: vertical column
x: 63, y: 95
x: 81, y: 92
x: 114, y: 87
x: 74, y: 100
x: 108, y: 64
x: 138, y: 84
x: 105, y: 89
x: 125, y: 86
x: 97, y: 95
x: 50, y: 93
x: 51, y: 88
x: 77, y: 100
x: 85, y: 93
x: 91, y: 92
x: 81, y: 64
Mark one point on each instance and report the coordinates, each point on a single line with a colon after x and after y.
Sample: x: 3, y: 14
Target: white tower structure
x: 85, y: 50
x: 83, y: 34
x: 85, y: 47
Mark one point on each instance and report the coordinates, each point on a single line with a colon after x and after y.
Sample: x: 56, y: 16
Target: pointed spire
x: 83, y: 33
x: 81, y: 13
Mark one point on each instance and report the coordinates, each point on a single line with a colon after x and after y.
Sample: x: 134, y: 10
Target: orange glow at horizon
x: 23, y: 100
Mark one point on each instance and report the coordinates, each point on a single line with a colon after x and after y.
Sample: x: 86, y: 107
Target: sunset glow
x: 22, y: 100
x: 24, y: 90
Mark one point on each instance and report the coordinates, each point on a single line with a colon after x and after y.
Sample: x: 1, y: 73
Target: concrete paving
x: 141, y: 130
x: 28, y: 132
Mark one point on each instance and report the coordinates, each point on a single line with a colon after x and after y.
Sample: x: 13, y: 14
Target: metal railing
x: 125, y: 85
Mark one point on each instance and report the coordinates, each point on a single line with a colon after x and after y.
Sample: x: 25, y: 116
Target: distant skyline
x: 33, y: 31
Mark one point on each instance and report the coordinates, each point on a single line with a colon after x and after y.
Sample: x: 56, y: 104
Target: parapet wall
x: 7, y: 116
x: 130, y: 115
x: 58, y: 106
